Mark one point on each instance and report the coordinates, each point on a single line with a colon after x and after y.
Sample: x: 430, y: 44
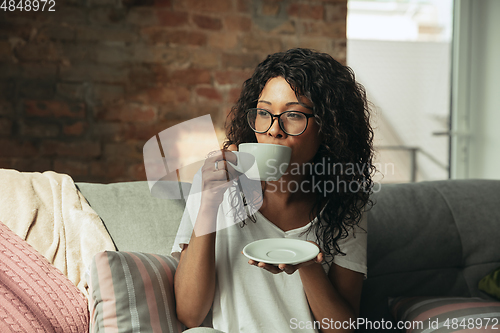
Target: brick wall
x: 84, y: 87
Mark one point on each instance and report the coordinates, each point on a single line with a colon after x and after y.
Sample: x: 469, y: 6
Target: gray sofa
x: 424, y: 239
x: 431, y: 239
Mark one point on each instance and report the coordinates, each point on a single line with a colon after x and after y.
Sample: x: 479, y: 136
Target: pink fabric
x: 452, y: 307
x: 34, y: 295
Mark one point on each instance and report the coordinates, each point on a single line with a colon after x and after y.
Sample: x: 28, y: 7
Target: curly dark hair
x: 342, y: 111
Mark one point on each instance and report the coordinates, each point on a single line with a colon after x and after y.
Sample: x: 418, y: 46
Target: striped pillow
x: 132, y: 292
x: 445, y: 314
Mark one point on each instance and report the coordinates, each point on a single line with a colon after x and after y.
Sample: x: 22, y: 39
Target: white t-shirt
x: 248, y: 298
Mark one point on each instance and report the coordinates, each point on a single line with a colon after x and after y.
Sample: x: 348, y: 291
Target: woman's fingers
x: 218, y: 163
x: 222, y: 155
x: 268, y: 267
x: 217, y: 168
x: 217, y: 177
x: 229, y: 158
x: 289, y: 269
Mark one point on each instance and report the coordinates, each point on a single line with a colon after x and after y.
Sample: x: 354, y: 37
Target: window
x: 401, y: 52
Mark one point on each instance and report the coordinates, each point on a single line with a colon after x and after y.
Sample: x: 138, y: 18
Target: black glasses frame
x: 273, y: 116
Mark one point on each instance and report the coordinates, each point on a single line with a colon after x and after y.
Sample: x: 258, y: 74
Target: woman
x: 335, y: 138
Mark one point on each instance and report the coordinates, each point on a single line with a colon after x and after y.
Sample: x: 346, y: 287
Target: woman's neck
x: 290, y: 189
x: 286, y: 208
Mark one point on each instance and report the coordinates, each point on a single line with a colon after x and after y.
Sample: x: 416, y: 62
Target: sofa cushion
x: 136, y: 220
x: 35, y: 296
x: 132, y: 292
x: 446, y: 314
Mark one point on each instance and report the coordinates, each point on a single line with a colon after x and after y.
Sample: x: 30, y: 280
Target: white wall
x: 476, y: 93
x: 408, y: 83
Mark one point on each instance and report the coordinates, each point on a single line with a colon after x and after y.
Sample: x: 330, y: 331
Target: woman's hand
x: 217, y: 176
x: 289, y: 269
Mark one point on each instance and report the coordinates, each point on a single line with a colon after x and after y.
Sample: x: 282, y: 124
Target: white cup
x: 263, y: 161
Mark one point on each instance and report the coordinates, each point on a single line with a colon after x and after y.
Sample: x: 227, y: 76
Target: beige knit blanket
x: 47, y: 210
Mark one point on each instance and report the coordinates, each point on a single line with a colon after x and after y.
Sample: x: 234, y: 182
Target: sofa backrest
x: 430, y: 239
x: 135, y: 219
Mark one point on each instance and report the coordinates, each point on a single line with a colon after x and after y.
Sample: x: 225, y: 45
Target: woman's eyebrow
x: 287, y: 104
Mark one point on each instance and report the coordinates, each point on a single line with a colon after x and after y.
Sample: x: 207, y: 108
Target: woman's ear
x: 232, y: 147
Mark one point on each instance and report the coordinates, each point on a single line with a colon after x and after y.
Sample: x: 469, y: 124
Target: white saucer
x: 281, y: 251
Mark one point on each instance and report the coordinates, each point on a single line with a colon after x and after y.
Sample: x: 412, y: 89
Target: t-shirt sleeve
x: 354, y: 246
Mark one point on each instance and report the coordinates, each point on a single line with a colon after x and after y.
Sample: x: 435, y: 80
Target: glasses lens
x: 293, y: 123
x: 259, y: 120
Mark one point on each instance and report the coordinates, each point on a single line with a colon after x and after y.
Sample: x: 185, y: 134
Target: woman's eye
x: 294, y: 115
x: 262, y: 113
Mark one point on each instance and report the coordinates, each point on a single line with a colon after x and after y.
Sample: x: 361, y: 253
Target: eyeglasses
x: 291, y: 122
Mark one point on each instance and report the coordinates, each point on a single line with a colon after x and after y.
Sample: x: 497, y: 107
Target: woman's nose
x: 275, y: 130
